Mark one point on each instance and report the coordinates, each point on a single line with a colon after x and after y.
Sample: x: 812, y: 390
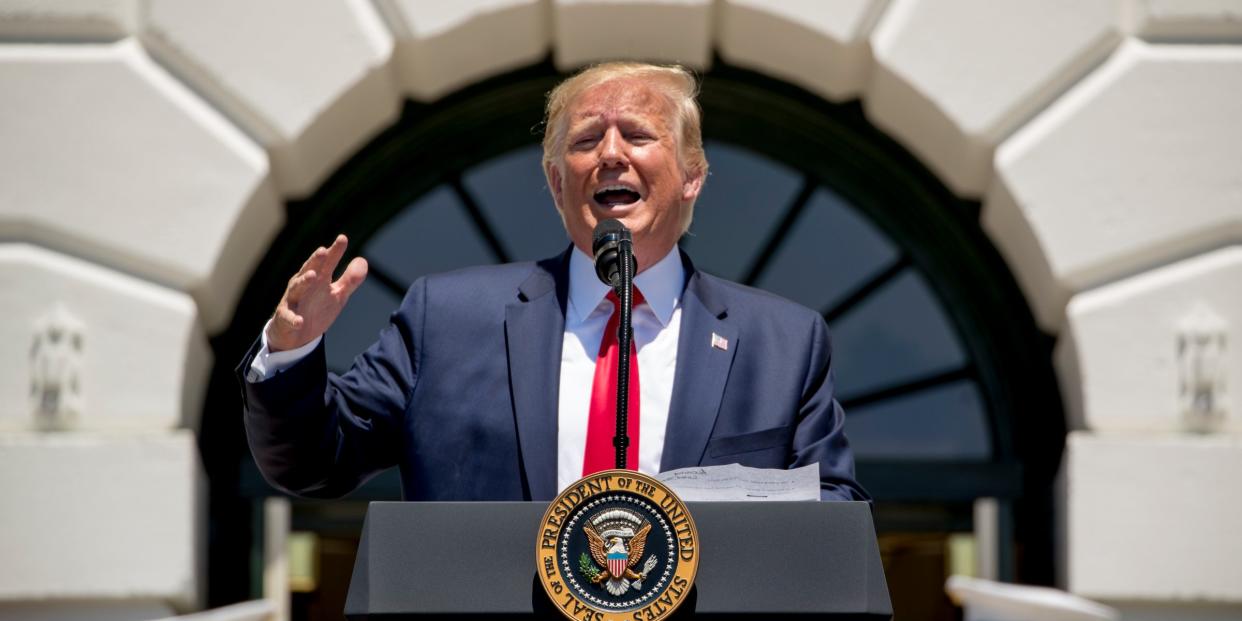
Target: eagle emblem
x: 618, y: 545
x: 616, y: 539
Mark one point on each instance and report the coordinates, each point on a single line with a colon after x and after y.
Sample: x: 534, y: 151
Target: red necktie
x: 602, y: 424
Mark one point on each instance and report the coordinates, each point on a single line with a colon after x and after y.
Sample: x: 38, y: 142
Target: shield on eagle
x: 618, y: 558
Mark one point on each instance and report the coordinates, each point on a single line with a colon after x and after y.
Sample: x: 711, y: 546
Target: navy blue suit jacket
x: 461, y: 392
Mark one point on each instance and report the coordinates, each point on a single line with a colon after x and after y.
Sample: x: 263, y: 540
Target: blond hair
x: 675, y: 82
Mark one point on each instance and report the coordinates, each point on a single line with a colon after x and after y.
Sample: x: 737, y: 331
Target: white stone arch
x: 156, y: 139
x: 288, y: 101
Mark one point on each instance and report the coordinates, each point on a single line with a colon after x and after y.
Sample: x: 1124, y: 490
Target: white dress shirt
x: 657, y: 325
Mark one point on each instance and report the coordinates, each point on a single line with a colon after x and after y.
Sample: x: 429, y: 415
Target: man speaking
x: 498, y: 382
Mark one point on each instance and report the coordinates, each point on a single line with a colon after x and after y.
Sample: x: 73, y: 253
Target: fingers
x: 299, y: 285
x: 355, y: 273
x: 313, y: 261
x: 324, y: 260
x: 321, y: 261
x: 333, y: 255
x: 308, y: 304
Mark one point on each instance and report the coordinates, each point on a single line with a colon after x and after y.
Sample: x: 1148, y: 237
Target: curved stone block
x: 309, y: 80
x: 586, y: 31
x: 821, y: 46
x: 78, y: 20
x: 952, y: 78
x: 1154, y: 519
x: 1135, y: 167
x: 102, y: 516
x: 1187, y: 20
x: 1161, y: 351
x: 443, y: 46
x: 90, y: 348
x: 107, y: 157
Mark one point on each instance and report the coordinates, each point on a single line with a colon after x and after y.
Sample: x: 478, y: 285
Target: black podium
x: 476, y: 560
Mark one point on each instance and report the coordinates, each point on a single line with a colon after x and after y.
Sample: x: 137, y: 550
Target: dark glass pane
x: 432, y: 235
x: 364, y: 316
x: 899, y: 333
x: 945, y: 423
x: 513, y: 195
x: 744, y: 199
x: 830, y: 251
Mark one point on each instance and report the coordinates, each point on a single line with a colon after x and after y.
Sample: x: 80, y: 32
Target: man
x: 491, y: 383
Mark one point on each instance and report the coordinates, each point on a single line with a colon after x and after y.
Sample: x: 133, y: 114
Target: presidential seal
x: 617, y: 545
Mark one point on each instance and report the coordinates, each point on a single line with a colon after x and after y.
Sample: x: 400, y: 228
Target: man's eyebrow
x: 578, y: 125
x: 589, y: 119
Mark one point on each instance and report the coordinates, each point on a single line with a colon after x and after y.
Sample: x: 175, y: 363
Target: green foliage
x: 588, y: 569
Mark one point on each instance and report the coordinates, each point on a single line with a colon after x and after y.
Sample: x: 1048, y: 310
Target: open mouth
x: 614, y: 195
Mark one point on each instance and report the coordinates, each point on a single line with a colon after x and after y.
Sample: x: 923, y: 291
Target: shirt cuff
x: 267, y: 363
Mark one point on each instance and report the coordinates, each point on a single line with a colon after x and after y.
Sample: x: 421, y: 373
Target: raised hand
x: 312, y: 301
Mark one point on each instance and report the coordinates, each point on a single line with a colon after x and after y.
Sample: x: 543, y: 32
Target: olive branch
x: 588, y: 569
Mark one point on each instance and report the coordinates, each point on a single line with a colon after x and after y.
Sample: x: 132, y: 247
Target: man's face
x: 621, y: 161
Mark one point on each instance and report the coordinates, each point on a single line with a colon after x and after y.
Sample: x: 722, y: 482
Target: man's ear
x: 691, y: 186
x: 554, y: 183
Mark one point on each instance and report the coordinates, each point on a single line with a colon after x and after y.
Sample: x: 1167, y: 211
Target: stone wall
x: 148, y: 148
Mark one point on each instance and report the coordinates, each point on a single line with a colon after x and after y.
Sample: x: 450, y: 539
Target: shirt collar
x: 661, y: 285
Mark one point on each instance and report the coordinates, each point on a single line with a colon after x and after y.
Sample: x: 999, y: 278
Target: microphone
x: 615, y: 265
x: 607, y: 239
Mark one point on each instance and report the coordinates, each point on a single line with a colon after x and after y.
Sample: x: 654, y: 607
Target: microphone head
x: 606, y: 246
x: 605, y: 229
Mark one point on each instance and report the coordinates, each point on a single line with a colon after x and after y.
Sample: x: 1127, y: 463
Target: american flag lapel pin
x: 720, y: 342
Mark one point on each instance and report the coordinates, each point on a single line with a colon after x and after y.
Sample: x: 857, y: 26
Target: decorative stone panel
x: 1154, y: 518
x: 77, y: 20
x: 1137, y: 166
x: 106, y: 157
x: 953, y: 78
x: 309, y: 80
x: 1161, y: 351
x: 586, y: 31
x: 93, y: 349
x: 57, y: 354
x: 443, y: 46
x: 102, y: 516
x: 821, y: 46
x: 1187, y: 20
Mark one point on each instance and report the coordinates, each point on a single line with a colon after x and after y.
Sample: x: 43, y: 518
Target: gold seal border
x: 685, y: 534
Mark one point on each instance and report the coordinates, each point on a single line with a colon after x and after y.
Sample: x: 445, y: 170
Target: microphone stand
x: 625, y: 335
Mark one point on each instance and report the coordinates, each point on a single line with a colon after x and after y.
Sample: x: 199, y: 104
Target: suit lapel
x: 534, y: 329
x: 702, y: 369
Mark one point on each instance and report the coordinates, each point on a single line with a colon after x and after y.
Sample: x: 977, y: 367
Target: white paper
x: 735, y: 482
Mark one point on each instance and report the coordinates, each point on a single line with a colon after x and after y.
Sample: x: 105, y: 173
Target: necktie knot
x: 615, y: 300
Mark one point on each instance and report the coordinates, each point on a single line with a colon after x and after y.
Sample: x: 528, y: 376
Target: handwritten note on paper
x: 735, y: 482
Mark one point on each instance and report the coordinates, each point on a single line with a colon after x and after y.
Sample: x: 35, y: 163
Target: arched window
x: 946, y: 382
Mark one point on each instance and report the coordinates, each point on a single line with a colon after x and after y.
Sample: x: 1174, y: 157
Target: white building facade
x: 148, y: 149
